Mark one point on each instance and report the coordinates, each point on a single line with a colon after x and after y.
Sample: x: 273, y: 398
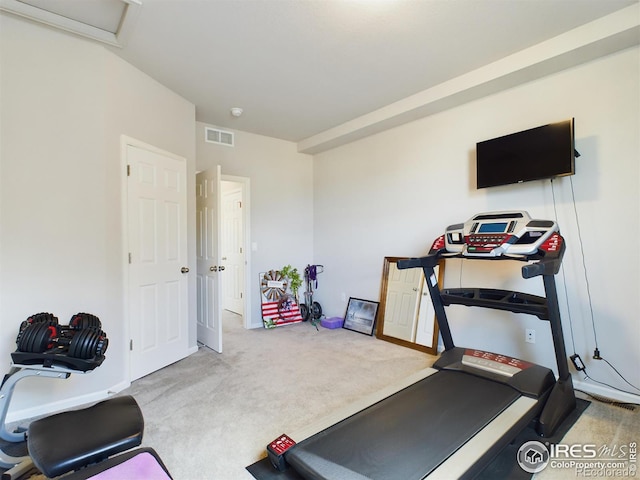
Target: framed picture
x: 361, y: 315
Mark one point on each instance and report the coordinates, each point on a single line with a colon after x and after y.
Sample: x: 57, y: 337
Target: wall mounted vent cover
x: 214, y: 135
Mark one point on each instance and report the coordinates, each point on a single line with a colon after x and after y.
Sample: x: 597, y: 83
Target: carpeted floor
x: 211, y: 415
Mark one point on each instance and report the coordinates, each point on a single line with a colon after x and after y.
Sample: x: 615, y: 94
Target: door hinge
x: 129, y: 258
x: 128, y: 170
x: 240, y: 294
x: 240, y: 204
x: 240, y: 249
x: 131, y: 345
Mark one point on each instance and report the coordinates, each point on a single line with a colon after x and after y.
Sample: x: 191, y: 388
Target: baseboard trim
x: 64, y: 404
x: 604, y: 391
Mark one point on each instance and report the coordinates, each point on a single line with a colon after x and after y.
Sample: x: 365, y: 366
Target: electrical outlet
x: 530, y: 335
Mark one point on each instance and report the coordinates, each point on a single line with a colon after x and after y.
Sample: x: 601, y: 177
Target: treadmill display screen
x: 497, y: 227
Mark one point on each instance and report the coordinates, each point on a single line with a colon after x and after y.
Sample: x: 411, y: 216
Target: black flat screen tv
x: 535, y: 154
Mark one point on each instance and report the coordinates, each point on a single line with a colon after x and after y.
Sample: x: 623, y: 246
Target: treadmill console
x: 494, y: 234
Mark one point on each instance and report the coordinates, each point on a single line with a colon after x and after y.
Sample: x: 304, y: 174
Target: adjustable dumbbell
x: 28, y: 339
x: 36, y: 337
x: 84, y: 336
x: 88, y: 343
x: 36, y: 340
x: 82, y: 320
x: 88, y: 339
x: 43, y: 317
x: 85, y: 344
x: 81, y: 339
x: 78, y: 321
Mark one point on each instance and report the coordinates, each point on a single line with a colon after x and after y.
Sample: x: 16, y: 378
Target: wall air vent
x: 214, y: 135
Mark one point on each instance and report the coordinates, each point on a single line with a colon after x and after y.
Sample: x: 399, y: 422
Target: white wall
x: 393, y: 193
x: 281, y: 200
x: 65, y: 103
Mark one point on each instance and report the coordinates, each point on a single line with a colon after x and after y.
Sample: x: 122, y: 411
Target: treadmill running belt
x: 406, y: 435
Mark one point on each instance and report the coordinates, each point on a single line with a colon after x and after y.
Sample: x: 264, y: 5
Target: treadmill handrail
x: 546, y: 263
x: 508, y: 300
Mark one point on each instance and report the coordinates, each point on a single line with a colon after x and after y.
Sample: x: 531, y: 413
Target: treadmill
x: 471, y: 404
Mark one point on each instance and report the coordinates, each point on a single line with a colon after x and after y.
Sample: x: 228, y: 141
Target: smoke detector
x: 236, y: 112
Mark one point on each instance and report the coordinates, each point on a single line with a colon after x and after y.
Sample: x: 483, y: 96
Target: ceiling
x: 298, y: 68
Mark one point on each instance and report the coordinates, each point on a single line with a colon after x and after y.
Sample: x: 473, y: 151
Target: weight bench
x: 90, y: 441
x: 71, y: 441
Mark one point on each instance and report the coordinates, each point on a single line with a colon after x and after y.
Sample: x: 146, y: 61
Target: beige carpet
x: 211, y: 415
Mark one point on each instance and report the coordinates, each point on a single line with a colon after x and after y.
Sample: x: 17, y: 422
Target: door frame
x: 245, y: 184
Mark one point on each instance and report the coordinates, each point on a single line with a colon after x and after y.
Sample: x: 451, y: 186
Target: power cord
x: 611, y: 386
x: 575, y: 358
x: 596, y: 353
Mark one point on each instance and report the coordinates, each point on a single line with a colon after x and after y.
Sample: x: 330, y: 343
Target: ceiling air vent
x: 214, y: 135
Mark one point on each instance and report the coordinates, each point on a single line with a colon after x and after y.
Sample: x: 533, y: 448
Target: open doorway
x: 222, y: 235
x: 234, y: 246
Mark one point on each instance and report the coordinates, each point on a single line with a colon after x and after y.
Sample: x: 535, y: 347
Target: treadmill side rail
x: 468, y: 460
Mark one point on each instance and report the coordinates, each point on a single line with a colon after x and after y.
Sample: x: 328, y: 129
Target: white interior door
x: 157, y: 242
x: 209, y: 266
x: 402, y: 302
x: 233, y: 256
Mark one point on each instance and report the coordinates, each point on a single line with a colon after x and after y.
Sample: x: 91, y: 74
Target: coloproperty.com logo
x: 585, y: 460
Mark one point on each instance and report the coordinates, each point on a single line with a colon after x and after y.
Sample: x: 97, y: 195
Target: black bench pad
x: 70, y: 440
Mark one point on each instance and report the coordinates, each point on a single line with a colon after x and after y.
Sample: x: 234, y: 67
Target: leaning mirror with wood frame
x: 406, y: 316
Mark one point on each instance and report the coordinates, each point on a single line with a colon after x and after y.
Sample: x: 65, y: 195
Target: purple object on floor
x: 143, y: 466
x: 333, y: 322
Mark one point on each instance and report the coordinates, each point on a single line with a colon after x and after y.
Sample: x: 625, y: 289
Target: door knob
x: 221, y: 268
x: 213, y: 269
x: 184, y: 270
